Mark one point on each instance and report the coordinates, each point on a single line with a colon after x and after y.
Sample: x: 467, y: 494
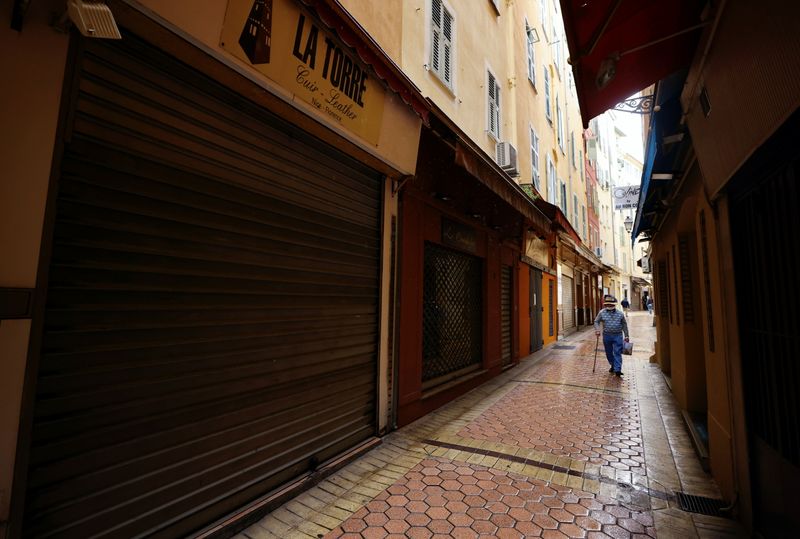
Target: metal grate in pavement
x: 700, y: 505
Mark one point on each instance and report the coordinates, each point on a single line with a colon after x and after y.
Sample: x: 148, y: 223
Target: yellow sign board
x: 286, y: 44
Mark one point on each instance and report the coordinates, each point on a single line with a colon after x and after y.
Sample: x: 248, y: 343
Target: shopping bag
x: 627, y: 348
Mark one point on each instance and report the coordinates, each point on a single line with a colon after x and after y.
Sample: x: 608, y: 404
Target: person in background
x: 650, y: 305
x: 625, y: 305
x: 614, y: 327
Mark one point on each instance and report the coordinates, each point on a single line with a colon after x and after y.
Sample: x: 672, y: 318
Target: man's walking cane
x: 596, y: 344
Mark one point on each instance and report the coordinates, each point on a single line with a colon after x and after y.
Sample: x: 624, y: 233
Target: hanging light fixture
x: 628, y: 222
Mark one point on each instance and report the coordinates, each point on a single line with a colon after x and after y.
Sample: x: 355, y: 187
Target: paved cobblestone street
x: 548, y: 449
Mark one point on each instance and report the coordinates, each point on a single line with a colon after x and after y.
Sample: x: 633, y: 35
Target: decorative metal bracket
x: 637, y: 105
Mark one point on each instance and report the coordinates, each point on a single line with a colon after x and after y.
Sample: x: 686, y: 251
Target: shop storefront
x: 215, y: 264
x: 461, y: 220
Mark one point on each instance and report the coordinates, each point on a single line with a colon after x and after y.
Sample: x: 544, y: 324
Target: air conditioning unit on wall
x: 507, y: 158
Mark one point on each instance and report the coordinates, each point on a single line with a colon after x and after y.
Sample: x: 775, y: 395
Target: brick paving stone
x: 510, y: 515
x: 616, y: 532
x: 571, y: 530
x: 556, y: 412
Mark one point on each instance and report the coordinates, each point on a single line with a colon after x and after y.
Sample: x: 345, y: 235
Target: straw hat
x: 609, y: 300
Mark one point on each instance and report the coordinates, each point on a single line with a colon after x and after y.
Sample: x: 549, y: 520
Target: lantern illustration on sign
x: 256, y: 36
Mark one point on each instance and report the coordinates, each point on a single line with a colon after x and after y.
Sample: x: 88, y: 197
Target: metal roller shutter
x: 506, y: 304
x: 211, y: 323
x: 568, y: 303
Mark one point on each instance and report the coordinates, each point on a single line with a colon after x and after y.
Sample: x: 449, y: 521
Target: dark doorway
x: 452, y: 331
x: 764, y: 221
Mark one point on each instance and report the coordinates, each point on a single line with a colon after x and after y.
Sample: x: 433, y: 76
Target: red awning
x: 634, y: 43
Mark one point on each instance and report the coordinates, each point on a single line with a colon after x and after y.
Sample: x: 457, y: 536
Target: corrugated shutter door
x: 505, y: 314
x: 211, y: 325
x: 568, y: 304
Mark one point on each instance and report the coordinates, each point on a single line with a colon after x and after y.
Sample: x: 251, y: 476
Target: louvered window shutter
x: 494, y: 106
x: 531, y: 55
x: 447, y: 46
x: 436, y: 38
x: 441, y: 42
x: 491, y: 103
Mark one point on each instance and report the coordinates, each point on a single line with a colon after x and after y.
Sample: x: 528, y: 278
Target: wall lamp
x: 628, y: 223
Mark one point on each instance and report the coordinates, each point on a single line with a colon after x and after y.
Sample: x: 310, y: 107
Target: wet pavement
x: 548, y: 449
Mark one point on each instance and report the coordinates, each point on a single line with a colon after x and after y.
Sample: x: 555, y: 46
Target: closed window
x: 564, y: 203
x: 572, y: 148
x: 552, y: 195
x: 543, y: 16
x: 560, y: 128
x: 493, y: 123
x: 531, y: 53
x: 583, y: 213
x: 547, y: 95
x: 535, y: 159
x: 575, y: 210
x: 442, y: 38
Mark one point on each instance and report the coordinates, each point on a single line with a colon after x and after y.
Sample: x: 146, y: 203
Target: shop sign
x: 626, y: 197
x: 646, y: 264
x: 459, y: 236
x: 286, y: 44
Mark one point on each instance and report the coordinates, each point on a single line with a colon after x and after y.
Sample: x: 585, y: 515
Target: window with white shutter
x: 560, y: 130
x: 564, y: 202
x: 494, y: 106
x: 442, y: 30
x: 547, y: 96
x: 575, y: 218
x: 552, y: 195
x: 572, y: 148
x: 543, y: 16
x: 535, y: 159
x: 583, y: 213
x: 531, y: 53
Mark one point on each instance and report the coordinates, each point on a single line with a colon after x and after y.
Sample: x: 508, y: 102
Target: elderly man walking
x: 614, y: 326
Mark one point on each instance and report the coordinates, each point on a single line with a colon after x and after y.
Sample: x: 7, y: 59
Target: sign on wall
x: 459, y: 236
x: 626, y: 196
x: 286, y: 44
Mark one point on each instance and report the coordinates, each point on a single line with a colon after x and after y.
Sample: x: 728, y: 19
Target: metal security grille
x: 568, y: 303
x: 675, y: 286
x: 662, y: 284
x: 550, y: 295
x: 707, y: 281
x: 506, y: 304
x: 211, y: 329
x: 686, y: 280
x: 452, y: 306
x: 765, y: 222
x: 764, y: 197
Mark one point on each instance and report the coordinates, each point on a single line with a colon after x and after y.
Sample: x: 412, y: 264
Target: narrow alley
x: 548, y: 449
x: 313, y: 269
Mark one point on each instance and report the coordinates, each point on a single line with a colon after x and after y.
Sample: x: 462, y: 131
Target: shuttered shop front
x: 211, y: 321
x: 568, y: 302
